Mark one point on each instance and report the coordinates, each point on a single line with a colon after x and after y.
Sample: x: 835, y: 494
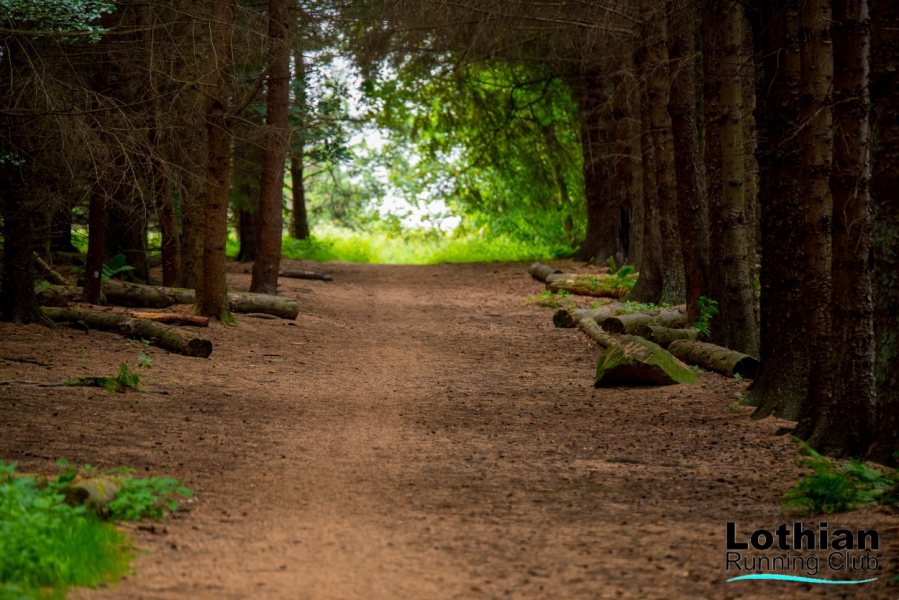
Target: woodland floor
x: 418, y: 433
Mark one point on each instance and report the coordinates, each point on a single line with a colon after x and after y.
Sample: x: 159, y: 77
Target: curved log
x: 299, y: 274
x: 540, y: 271
x: 172, y: 339
x: 595, y: 332
x: 715, y: 358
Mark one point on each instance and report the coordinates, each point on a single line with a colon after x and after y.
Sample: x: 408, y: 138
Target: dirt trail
x: 418, y: 433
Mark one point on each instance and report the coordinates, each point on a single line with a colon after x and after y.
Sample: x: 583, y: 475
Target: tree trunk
x: 649, y: 285
x: 297, y: 188
x: 597, y: 141
x: 739, y: 298
x: 884, y: 183
x: 692, y: 211
x: 748, y: 80
x: 246, y: 230
x: 673, y: 276
x: 842, y: 426
x: 18, y: 302
x: 96, y: 245
x: 712, y: 22
x: 782, y: 383
x: 61, y: 230
x: 628, y: 175
x: 817, y: 157
x: 212, y: 300
x: 269, y: 220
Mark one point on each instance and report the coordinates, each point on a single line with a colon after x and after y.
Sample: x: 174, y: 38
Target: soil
x: 418, y: 432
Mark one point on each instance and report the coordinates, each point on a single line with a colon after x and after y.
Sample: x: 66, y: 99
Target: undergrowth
x: 410, y: 248
x: 831, y: 488
x: 549, y: 300
x: 47, y: 545
x: 708, y: 308
x: 125, y: 380
x: 635, y: 307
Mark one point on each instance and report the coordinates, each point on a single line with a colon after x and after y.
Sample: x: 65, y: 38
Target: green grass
x: 412, y: 248
x: 47, y: 546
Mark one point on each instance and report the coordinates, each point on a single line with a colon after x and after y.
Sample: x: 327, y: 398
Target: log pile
x: 169, y: 338
x: 568, y: 318
x: 663, y: 336
x: 628, y: 324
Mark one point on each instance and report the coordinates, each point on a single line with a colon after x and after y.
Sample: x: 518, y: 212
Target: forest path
x: 419, y: 433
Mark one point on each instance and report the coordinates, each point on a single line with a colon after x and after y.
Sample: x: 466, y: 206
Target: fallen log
x: 135, y: 295
x: 595, y: 332
x: 591, y: 285
x: 49, y: 272
x: 568, y: 318
x: 636, y: 361
x: 715, y: 358
x: 297, y: 274
x: 628, y: 324
x: 169, y: 338
x: 167, y: 318
x: 540, y: 271
x: 663, y: 336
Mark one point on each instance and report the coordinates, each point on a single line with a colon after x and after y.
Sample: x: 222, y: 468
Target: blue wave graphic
x: 795, y: 578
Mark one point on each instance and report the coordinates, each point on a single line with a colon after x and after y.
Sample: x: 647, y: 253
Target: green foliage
x: 73, y: 16
x: 549, y: 300
x: 613, y: 268
x: 708, y: 308
x: 624, y: 272
x: 124, y: 381
x: 498, y: 143
x: 151, y: 497
x: 830, y: 488
x: 114, y: 266
x: 45, y: 543
x: 144, y: 362
x: 636, y: 307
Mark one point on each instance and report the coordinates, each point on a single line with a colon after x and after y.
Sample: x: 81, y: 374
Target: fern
x: 831, y: 489
x: 114, y: 266
x: 625, y: 271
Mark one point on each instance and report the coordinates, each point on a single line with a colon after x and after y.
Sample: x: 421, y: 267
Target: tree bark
x: 692, y: 211
x: 597, y: 141
x: 841, y: 426
x: 884, y: 183
x: 739, y: 299
x: 18, y: 302
x: 816, y: 49
x: 782, y: 384
x: 269, y: 219
x: 649, y: 285
x: 749, y: 79
x: 297, y: 188
x: 628, y: 167
x: 712, y: 57
x: 170, y: 338
x: 673, y: 275
x: 212, y: 300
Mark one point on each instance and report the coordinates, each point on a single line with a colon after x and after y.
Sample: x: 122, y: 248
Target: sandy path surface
x: 418, y: 432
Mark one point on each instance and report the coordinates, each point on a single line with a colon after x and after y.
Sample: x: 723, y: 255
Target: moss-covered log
x: 169, y: 338
x: 628, y: 324
x: 540, y: 271
x: 663, y: 336
x: 568, y: 318
x: 636, y: 361
x: 610, y: 286
x: 715, y: 358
